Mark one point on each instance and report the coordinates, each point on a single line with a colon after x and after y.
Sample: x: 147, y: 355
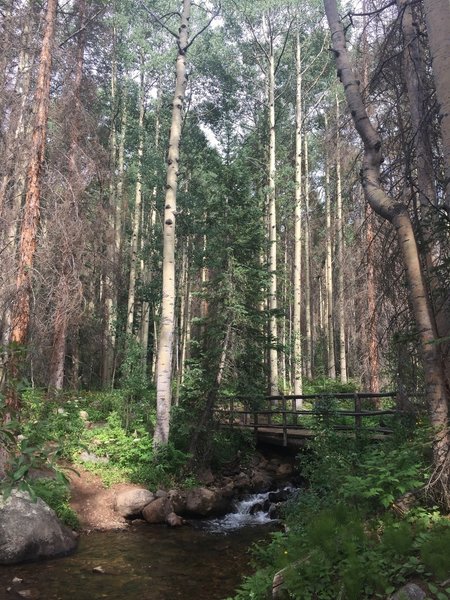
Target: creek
x: 204, y: 561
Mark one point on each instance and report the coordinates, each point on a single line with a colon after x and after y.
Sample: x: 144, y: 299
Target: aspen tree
x: 397, y: 214
x: 329, y: 271
x: 167, y: 327
x: 273, y: 301
x: 308, y: 319
x: 297, y: 358
x: 137, y: 205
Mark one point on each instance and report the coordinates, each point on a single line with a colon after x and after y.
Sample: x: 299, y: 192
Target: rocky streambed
x: 205, y: 558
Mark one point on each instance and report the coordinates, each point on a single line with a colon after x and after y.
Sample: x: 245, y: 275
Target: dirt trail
x: 94, y: 503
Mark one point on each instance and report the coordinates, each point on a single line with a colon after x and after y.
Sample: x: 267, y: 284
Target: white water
x: 242, y: 515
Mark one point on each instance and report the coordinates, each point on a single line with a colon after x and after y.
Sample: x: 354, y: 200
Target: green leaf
x: 20, y: 472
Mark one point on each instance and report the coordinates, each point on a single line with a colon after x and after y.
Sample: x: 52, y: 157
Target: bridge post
x: 358, y: 408
x: 283, y: 408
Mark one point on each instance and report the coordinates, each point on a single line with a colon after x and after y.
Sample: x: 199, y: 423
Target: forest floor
x: 94, y: 503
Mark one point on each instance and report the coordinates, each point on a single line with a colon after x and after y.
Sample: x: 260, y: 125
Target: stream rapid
x: 204, y: 561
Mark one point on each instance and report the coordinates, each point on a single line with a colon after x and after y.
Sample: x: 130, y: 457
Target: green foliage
x: 136, y: 398
x: 24, y: 457
x: 340, y: 540
x: 129, y: 454
x: 56, y: 494
x: 323, y: 385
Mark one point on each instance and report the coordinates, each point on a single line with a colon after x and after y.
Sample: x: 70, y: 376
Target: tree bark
x: 273, y: 303
x: 137, y: 208
x: 340, y: 255
x: 167, y: 328
x: 61, y: 320
x: 308, y: 319
x: 30, y: 223
x: 437, y: 15
x: 331, y: 360
x: 397, y: 214
x: 297, y: 358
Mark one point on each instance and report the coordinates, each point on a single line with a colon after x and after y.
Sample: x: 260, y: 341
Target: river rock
x: 130, y: 503
x: 260, y: 481
x: 174, y: 520
x: 202, y: 502
x: 285, y: 470
x: 156, y: 511
x: 177, y: 499
x: 410, y: 591
x: 31, y: 530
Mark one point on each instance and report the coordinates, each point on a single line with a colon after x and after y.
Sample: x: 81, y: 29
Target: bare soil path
x: 94, y: 503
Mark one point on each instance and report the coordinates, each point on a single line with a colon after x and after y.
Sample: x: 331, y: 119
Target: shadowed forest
x: 207, y: 203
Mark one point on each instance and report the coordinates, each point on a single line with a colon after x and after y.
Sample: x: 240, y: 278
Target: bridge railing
x: 342, y: 411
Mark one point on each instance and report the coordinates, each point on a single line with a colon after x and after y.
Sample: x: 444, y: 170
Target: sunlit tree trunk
x: 167, y: 328
x: 340, y: 255
x: 30, y: 222
x: 273, y: 303
x: 308, y: 332
x: 397, y: 214
x: 329, y: 272
x: 297, y: 358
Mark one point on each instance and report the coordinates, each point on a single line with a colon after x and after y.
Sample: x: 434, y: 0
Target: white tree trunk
x: 273, y: 304
x: 167, y: 328
x: 297, y: 358
x: 308, y: 320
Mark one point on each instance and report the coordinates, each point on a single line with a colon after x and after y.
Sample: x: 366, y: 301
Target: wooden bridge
x: 291, y: 420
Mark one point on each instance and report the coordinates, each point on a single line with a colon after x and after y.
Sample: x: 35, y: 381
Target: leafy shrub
x: 56, y: 494
x: 340, y: 541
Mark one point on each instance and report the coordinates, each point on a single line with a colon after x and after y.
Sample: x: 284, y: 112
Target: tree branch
x: 85, y: 24
x: 158, y: 20
x: 216, y: 14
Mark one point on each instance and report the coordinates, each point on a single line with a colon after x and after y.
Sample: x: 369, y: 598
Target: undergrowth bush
x: 341, y: 541
x: 56, y: 494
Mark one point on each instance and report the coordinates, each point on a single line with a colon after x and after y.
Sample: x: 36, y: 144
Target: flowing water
x: 203, y: 562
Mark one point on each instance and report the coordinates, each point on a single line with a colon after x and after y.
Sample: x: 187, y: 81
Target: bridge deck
x: 289, y: 420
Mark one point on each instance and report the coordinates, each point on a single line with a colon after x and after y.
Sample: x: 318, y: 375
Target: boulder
x: 410, y: 591
x: 260, y: 481
x: 174, y: 520
x: 31, y: 530
x: 202, y: 502
x: 156, y: 511
x: 130, y: 503
x: 285, y: 470
x: 178, y: 501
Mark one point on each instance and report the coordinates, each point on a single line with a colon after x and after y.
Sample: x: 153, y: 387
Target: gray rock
x: 174, y: 520
x: 178, y: 501
x: 156, y: 511
x: 130, y: 503
x: 410, y: 591
x: 202, y: 502
x: 31, y: 530
x: 90, y: 457
x: 285, y: 470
